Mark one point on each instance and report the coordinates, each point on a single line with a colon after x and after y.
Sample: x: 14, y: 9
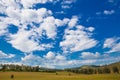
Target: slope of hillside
x: 93, y: 69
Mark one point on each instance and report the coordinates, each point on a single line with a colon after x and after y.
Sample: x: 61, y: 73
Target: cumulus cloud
x: 110, y: 42
x: 56, y: 60
x: 50, y: 60
x: 55, y: 56
x: 28, y: 36
x: 4, y: 55
x: 91, y: 29
x: 26, y: 16
x: 108, y: 12
x: 10, y: 3
x: 59, y: 22
x: 113, y: 44
x: 77, y: 40
x: 61, y: 61
x: 89, y: 55
x: 60, y: 57
x: 31, y: 59
x: 2, y: 28
x: 50, y: 55
x: 30, y: 15
x: 21, y: 41
x: 30, y: 3
x: 68, y: 63
x: 49, y: 27
x: 116, y: 48
x: 73, y: 21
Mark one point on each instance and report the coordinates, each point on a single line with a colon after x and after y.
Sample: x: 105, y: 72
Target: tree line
x: 24, y: 68
x: 19, y: 68
x: 106, y: 69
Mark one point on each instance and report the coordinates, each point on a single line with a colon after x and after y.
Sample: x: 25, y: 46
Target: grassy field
x: 53, y: 76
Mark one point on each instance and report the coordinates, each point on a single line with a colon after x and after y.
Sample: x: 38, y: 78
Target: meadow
x: 58, y: 76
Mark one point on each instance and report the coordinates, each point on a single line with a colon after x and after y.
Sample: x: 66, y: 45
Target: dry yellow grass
x: 53, y: 76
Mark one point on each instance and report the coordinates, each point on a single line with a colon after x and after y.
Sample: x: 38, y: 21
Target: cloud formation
x: 27, y: 38
x: 4, y: 55
x: 67, y: 4
x: 88, y: 55
x: 108, y: 12
x: 113, y: 44
x: 78, y: 39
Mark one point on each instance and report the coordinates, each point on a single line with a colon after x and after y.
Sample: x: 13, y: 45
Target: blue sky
x: 59, y: 33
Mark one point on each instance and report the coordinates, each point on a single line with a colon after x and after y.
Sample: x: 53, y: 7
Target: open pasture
x: 54, y: 76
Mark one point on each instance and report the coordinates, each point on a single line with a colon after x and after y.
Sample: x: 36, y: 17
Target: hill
x: 93, y: 69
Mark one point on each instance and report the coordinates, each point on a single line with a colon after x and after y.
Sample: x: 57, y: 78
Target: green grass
x: 53, y: 76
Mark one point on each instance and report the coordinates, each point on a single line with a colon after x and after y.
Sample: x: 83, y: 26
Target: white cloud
x: 91, y: 29
x: 10, y: 3
x: 31, y: 59
x: 21, y: 17
x: 54, y: 56
x: 113, y: 44
x: 66, y: 20
x: 89, y: 55
x: 59, y: 22
x: 70, y: 63
x: 73, y: 21
x: 27, y: 38
x: 56, y: 60
x: 34, y: 60
x: 77, y: 40
x: 115, y: 48
x: 2, y: 28
x: 49, y: 27
x: 26, y: 15
x: 68, y: 1
x: 21, y: 41
x: 31, y: 15
x: 52, y: 59
x: 60, y: 57
x: 66, y: 4
x: 31, y: 3
x: 4, y: 55
x: 108, y: 12
x: 80, y: 62
x: 110, y: 42
x: 50, y: 55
